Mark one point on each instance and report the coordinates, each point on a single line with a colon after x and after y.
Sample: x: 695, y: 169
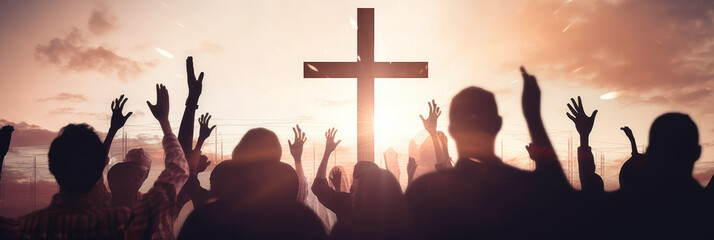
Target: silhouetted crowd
x: 256, y: 196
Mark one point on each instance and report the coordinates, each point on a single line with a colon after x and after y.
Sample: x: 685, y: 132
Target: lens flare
x: 164, y: 53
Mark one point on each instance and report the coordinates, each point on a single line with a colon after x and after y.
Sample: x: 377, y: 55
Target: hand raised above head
x: 161, y: 109
x: 204, y: 131
x: 5, y: 135
x: 330, y: 144
x: 297, y: 145
x: 431, y: 121
x: 531, y: 95
x: 195, y: 86
x: 203, y: 163
x: 118, y: 119
x: 583, y: 123
x: 627, y: 131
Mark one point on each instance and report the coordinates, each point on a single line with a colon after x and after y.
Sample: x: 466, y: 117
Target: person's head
x: 474, y: 121
x: 380, y: 207
x: 77, y: 158
x: 125, y: 179
x: 673, y: 144
x: 258, y: 144
x: 362, y: 168
x: 141, y: 157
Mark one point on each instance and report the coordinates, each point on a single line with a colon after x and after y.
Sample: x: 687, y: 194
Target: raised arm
x: 630, y: 136
x: 543, y: 152
x: 589, y: 180
x: 204, y: 131
x: 5, y: 136
x: 117, y: 122
x: 322, y: 190
x: 442, y: 159
x: 411, y: 169
x: 296, y: 148
x: 176, y: 170
x: 195, y: 86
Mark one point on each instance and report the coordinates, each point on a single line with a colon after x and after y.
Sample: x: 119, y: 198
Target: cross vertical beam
x: 365, y: 84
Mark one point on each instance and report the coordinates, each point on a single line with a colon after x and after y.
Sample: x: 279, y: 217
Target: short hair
x: 77, y: 158
x: 474, y: 110
x: 254, y: 183
x: 258, y: 144
x: 673, y: 135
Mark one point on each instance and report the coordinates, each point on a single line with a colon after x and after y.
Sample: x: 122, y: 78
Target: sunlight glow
x: 164, y: 53
x: 610, y: 95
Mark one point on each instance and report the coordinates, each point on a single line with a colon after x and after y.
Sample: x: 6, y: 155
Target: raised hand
x: 161, y: 109
x: 531, y: 151
x: 119, y: 119
x: 204, y: 131
x: 630, y: 136
x: 411, y: 169
x: 296, y: 145
x: 531, y: 96
x: 203, y: 163
x: 628, y: 132
x: 330, y: 144
x: 195, y: 86
x: 431, y: 120
x: 583, y: 123
x: 5, y: 136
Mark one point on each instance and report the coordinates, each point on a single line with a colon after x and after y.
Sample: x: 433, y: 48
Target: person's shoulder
x: 432, y: 181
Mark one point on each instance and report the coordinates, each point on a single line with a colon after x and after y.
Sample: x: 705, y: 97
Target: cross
x: 365, y: 69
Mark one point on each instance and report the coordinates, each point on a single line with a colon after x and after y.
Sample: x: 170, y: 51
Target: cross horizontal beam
x: 379, y: 69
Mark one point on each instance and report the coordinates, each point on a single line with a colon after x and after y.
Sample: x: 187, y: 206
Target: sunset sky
x: 64, y: 61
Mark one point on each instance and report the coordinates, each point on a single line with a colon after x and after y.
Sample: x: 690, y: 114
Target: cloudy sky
x: 64, y: 61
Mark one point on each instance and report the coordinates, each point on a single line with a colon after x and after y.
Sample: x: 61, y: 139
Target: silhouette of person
x: 341, y: 203
x: 124, y: 180
x: 254, y: 195
x: 631, y: 172
x: 669, y: 202
x: 76, y: 160
x: 380, y: 210
x: 481, y: 197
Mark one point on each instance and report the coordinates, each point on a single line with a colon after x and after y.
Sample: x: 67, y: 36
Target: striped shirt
x: 75, y: 216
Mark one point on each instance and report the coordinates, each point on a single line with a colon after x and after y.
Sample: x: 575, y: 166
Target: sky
x: 633, y: 60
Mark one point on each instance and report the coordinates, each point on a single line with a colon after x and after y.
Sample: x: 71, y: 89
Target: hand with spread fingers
x: 330, y: 144
x: 583, y: 122
x: 431, y: 121
x: 296, y: 146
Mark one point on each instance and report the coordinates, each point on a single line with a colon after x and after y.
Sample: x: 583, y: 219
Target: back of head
x: 258, y: 144
x: 126, y: 178
x: 250, y: 184
x: 380, y: 207
x: 674, y: 141
x: 77, y: 158
x: 473, y: 112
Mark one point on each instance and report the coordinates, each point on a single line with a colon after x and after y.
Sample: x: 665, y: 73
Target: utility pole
x: 34, y: 193
x: 215, y: 153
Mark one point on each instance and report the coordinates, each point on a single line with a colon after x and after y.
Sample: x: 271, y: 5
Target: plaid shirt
x: 77, y: 217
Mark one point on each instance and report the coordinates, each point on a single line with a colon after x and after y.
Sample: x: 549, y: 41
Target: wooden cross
x: 365, y: 69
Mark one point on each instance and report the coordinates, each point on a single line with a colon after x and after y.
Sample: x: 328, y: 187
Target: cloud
x: 101, y: 21
x: 26, y: 135
x: 71, y: 52
x: 61, y: 97
x: 72, y: 111
x: 646, y: 47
